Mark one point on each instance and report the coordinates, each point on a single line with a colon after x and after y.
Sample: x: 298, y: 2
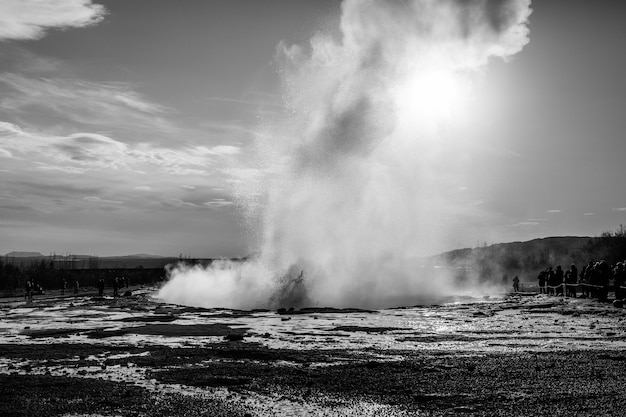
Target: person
x: 619, y: 276
x: 116, y: 286
x: 558, y: 280
x: 516, y: 284
x: 603, y: 278
x: 584, y: 280
x: 100, y: 287
x: 63, y: 286
x: 542, y: 281
x: 550, y: 281
x: 29, y: 289
x: 572, y: 281
x: 76, y: 286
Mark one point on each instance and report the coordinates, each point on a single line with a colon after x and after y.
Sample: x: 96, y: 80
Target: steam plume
x: 354, y: 176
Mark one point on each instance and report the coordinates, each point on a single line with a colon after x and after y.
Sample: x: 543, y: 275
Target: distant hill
x: 521, y: 258
x: 532, y: 253
x: 41, y: 255
x: 24, y: 254
x: 25, y: 259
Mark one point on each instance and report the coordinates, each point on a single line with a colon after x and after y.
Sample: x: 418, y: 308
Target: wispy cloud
x: 79, y: 152
x: 526, y: 223
x: 250, y: 101
x: 94, y: 199
x: 620, y: 209
x: 217, y: 203
x: 178, y: 203
x: 144, y: 188
x: 29, y: 19
x: 553, y: 211
x: 112, y: 106
x: 221, y: 150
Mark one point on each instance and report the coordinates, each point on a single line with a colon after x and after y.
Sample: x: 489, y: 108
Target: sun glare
x: 427, y: 99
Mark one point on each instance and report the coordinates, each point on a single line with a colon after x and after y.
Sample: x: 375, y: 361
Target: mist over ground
x: 352, y: 185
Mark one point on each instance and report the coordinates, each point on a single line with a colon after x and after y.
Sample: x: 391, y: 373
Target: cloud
x: 93, y: 199
x: 265, y: 99
x: 222, y: 150
x: 91, y: 148
x: 74, y: 125
x: 620, y: 209
x: 526, y: 223
x: 10, y: 128
x: 144, y: 188
x: 135, y: 101
x: 79, y: 152
x: 104, y: 105
x: 83, y: 150
x: 46, y: 189
x: 588, y: 214
x: 178, y: 203
x: 217, y: 203
x: 553, y: 211
x: 30, y: 19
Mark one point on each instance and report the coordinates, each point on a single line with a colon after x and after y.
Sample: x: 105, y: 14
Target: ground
x: 503, y: 355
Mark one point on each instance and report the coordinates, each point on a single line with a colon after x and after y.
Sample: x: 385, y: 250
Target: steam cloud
x: 353, y: 177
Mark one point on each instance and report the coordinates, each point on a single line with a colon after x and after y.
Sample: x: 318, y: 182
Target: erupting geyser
x: 352, y: 181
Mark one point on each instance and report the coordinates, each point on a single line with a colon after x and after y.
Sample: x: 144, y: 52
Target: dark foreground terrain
x: 519, y: 384
x: 153, y: 368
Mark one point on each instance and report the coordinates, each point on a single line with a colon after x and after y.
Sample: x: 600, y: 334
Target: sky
x: 126, y: 125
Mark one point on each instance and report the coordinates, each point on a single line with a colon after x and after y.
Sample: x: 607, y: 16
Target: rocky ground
x: 135, y: 357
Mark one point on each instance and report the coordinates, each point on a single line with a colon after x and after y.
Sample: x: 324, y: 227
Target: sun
x: 427, y: 99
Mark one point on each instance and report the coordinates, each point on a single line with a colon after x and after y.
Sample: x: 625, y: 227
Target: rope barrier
x: 594, y: 286
x: 580, y: 284
x: 577, y: 284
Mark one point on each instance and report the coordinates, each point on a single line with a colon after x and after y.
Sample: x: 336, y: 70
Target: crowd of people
x: 594, y: 280
x: 31, y: 288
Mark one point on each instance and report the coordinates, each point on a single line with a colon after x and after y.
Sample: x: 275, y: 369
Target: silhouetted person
x: 585, y: 279
x: 116, y: 286
x: 63, y: 286
x: 100, y: 287
x: 516, y: 284
x: 542, y: 282
x: 604, y: 276
x: 571, y: 281
x: 550, y: 280
x: 29, y: 290
x: 559, y: 279
x: 76, y: 287
x: 619, y: 276
x: 573, y: 275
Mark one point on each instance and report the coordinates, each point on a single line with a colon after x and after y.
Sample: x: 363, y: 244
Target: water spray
x: 352, y: 177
